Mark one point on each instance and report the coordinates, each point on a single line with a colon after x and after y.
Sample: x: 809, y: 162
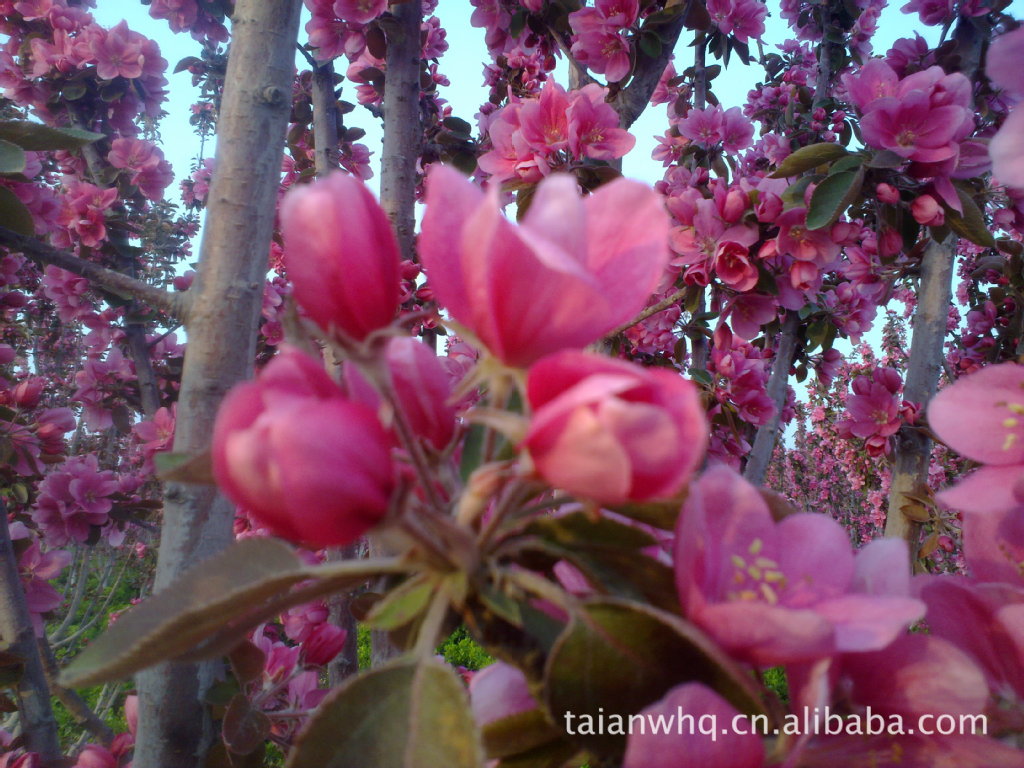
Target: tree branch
x: 632, y: 100
x: 174, y: 304
x: 38, y: 724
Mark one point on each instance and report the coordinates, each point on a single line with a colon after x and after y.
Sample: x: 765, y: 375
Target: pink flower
x: 1007, y: 150
x: 304, y: 461
x: 498, y: 692
x: 874, y: 407
x: 421, y: 385
x: 982, y: 417
x: 613, y: 431
x: 733, y: 266
x: 669, y: 748
x: 359, y: 11
x: 912, y: 128
x: 323, y: 644
x: 574, y: 269
x: 118, y: 52
x: 774, y: 593
x: 1003, y: 63
x: 341, y: 255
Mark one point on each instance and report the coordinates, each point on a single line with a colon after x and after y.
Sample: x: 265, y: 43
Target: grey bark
x: 402, y: 130
x: 174, y: 729
x: 778, y: 383
x: 325, y: 119
x: 31, y: 692
x: 913, y: 447
x: 402, y: 144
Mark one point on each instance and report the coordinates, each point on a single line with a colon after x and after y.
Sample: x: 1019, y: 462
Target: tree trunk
x: 913, y: 448
x: 325, y: 119
x: 174, y: 729
x: 19, y: 639
x: 778, y: 384
x: 402, y: 137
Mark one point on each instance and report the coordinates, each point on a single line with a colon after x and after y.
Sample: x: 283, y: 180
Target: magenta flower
x: 359, y: 11
x: 1004, y: 70
x: 308, y: 464
x: 612, y: 431
x: 774, y: 593
x: 671, y: 748
x: 874, y: 407
x: 573, y: 270
x: 341, y: 255
x: 421, y: 385
x: 982, y: 417
x: 912, y: 128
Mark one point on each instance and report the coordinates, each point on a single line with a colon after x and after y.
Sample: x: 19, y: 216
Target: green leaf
x: 618, y: 657
x: 519, y: 733
x: 12, y: 158
x: 185, y: 468
x: 14, y: 215
x: 807, y: 158
x: 832, y: 197
x: 650, y: 45
x: 886, y: 158
x: 175, y: 619
x: 212, y: 606
x: 40, y: 138
x: 793, y: 195
x: 472, y: 451
x: 244, y: 728
x: 971, y: 225
x: 851, y: 163
x: 402, y: 604
x: 661, y: 514
x: 409, y: 714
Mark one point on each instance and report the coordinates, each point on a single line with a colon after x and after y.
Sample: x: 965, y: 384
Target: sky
x: 463, y: 63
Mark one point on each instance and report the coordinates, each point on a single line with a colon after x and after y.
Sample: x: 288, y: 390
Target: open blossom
x: 922, y: 117
x: 873, y: 410
x: 774, y: 593
x: 533, y: 137
x: 306, y: 462
x: 1003, y: 66
x: 612, y: 431
x: 743, y: 19
x: 572, y: 271
x: 982, y: 417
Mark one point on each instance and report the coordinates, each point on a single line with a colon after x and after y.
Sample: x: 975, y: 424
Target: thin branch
x: 74, y: 703
x: 654, y: 309
x: 174, y: 304
x: 576, y: 69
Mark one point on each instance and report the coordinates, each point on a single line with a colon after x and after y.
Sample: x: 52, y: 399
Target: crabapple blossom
x: 571, y: 272
x: 612, y: 431
x: 982, y: 417
x: 341, y: 255
x: 304, y: 461
x: 778, y: 592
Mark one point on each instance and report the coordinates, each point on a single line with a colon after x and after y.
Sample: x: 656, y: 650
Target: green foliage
x: 775, y: 680
x: 460, y: 650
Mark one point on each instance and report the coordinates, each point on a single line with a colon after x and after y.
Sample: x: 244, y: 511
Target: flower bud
x: 324, y: 644
x: 341, y: 256
x: 305, y: 462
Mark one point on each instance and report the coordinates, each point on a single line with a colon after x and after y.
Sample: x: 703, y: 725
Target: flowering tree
x: 546, y: 411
